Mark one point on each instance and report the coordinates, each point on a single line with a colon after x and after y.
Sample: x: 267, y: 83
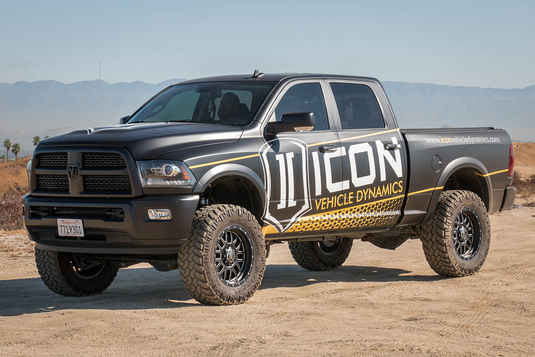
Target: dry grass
x: 525, y: 187
x: 11, y: 208
x: 13, y: 173
x: 13, y: 185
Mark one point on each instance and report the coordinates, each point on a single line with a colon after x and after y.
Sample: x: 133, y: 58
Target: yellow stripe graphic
x: 492, y: 173
x: 427, y: 190
x: 311, y: 145
x: 354, y: 137
x: 224, y: 161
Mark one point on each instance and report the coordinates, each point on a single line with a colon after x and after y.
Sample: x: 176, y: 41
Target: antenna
x: 257, y: 74
x: 99, y: 120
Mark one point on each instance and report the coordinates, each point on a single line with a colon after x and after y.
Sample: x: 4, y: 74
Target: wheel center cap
x: 230, y: 255
x: 463, y: 233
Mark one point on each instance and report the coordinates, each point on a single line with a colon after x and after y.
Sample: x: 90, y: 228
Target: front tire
x: 224, y: 260
x: 456, y: 240
x: 71, y: 275
x: 321, y: 256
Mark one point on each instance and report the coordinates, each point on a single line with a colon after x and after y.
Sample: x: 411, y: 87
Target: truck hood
x: 148, y: 141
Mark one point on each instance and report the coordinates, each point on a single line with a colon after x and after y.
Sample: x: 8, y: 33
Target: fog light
x: 159, y: 214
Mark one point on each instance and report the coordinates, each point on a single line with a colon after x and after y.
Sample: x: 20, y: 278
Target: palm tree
x: 7, y: 145
x: 16, y: 150
x: 36, y: 140
x: 46, y: 136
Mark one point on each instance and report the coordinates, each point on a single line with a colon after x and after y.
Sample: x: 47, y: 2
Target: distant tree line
x: 16, y: 148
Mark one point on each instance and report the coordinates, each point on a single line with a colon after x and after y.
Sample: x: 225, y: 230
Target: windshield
x: 227, y: 103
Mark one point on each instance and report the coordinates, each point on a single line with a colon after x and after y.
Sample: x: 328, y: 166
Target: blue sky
x: 462, y: 43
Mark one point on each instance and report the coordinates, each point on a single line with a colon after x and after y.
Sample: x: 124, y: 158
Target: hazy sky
x: 463, y: 43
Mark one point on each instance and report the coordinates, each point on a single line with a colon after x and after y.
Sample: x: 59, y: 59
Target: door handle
x: 328, y: 148
x: 392, y: 146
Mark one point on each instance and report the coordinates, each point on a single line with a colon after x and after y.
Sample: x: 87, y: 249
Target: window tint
x: 224, y: 103
x: 357, y: 106
x: 306, y: 97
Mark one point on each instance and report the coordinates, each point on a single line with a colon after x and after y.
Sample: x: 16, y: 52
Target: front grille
x: 54, y: 183
x: 104, y: 184
x: 81, y: 173
x: 95, y: 160
x: 56, y: 160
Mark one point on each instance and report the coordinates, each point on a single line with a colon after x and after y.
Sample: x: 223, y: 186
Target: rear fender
x: 462, y: 163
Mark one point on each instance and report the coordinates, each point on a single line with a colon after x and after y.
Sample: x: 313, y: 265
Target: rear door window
x: 357, y: 106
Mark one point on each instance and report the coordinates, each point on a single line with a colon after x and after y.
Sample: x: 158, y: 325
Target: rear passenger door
x: 373, y: 156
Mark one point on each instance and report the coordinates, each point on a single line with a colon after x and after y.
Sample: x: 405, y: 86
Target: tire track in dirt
x: 481, y: 306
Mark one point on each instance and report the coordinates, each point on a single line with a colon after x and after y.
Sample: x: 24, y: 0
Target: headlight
x: 164, y: 173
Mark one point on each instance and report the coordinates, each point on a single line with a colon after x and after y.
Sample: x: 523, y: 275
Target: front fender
x: 235, y: 170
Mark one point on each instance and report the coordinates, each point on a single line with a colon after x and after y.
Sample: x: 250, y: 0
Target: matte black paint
x: 255, y: 157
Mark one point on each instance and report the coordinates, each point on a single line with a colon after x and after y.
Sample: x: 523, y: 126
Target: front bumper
x: 111, y: 226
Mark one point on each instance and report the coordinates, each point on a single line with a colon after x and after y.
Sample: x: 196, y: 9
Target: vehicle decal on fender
x: 286, y: 183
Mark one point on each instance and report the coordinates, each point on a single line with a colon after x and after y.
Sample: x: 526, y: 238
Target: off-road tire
x: 321, y: 256
x: 61, y: 274
x: 456, y: 240
x: 224, y: 260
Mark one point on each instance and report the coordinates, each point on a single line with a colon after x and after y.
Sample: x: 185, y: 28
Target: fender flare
x: 231, y: 170
x: 449, y: 170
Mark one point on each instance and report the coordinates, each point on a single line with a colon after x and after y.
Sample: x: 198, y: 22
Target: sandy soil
x: 524, y: 158
x: 380, y: 303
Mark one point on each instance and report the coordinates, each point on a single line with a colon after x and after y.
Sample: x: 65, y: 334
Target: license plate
x: 70, y: 228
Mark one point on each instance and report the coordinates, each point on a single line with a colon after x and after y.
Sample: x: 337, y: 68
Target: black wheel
x: 71, y: 275
x: 224, y: 260
x: 317, y: 256
x: 456, y: 240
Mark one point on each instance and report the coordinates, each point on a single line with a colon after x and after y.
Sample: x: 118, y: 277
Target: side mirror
x: 123, y: 120
x: 294, y: 121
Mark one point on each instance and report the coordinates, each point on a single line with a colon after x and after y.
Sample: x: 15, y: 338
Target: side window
x: 306, y: 97
x: 357, y: 106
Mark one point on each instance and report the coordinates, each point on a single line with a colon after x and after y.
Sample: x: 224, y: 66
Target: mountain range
x: 50, y: 108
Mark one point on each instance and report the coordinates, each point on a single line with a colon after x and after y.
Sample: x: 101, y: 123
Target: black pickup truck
x: 209, y: 173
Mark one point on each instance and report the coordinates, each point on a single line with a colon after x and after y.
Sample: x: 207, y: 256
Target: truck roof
x: 272, y: 77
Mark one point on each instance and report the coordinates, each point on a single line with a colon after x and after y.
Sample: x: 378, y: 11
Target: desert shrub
x: 11, y: 208
x: 524, y: 186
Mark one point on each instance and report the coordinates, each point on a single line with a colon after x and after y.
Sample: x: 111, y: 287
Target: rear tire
x: 224, y: 260
x: 321, y: 256
x: 70, y: 275
x: 456, y: 240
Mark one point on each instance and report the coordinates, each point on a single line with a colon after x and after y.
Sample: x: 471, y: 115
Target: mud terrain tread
x: 66, y: 283
x: 48, y: 268
x: 308, y: 255
x: 436, y: 235
x: 192, y: 261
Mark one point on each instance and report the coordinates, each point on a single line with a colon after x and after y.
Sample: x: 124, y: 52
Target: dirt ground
x: 380, y: 303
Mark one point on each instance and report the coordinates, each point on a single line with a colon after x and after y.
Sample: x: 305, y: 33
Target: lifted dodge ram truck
x: 211, y: 172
